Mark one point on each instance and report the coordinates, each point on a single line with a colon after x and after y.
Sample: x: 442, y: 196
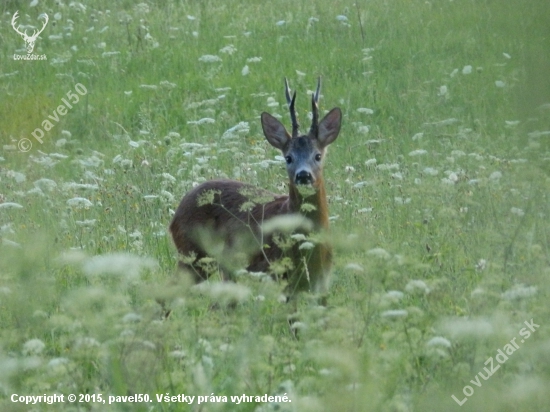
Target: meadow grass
x: 438, y: 192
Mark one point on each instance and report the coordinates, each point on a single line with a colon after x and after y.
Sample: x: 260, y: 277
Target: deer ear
x: 274, y: 131
x: 329, y: 127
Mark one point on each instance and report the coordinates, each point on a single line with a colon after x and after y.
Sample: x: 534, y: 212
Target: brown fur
x: 230, y: 223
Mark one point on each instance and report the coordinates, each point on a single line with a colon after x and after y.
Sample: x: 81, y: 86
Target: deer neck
x: 318, y: 211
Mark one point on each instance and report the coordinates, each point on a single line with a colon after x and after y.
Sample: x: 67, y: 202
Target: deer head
x: 303, y: 154
x: 30, y: 40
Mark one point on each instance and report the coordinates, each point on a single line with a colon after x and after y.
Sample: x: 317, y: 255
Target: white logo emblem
x: 30, y: 40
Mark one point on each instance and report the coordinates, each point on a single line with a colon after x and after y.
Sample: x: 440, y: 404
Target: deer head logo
x: 30, y: 40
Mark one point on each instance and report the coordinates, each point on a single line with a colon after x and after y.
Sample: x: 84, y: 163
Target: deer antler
x: 37, y: 32
x: 15, y: 16
x: 290, y: 103
x: 315, y: 109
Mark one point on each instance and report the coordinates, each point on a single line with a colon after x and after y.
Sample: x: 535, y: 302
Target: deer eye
x: 288, y: 159
x: 318, y: 157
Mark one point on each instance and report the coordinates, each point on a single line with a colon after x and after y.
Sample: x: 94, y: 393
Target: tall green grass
x: 440, y: 210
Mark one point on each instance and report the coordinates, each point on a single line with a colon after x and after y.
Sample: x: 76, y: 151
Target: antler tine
x: 46, y: 20
x: 290, y: 102
x: 318, y: 89
x: 287, y: 92
x: 13, y: 22
x: 315, y: 109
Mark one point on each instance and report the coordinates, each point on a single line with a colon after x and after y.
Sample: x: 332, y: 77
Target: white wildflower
x: 79, y: 186
x: 168, y: 177
x: 79, y: 202
x: 396, y: 313
x: 306, y: 246
x: 10, y: 205
x: 481, y: 265
x: 370, y: 162
x: 402, y: 201
x: 417, y: 136
x: 210, y: 58
x: 271, y: 102
x: 379, y: 253
x: 417, y: 286
x: 245, y: 71
x: 131, y: 318
x: 393, y: 295
x: 439, y: 341
x: 500, y: 83
x: 33, y: 347
x: 229, y: 49
x: 341, y: 18
x: 517, y: 211
x: 388, y: 166
x: 168, y: 85
x: 467, y: 69
x: 364, y: 129
x: 354, y: 267
x: 204, y: 120
x: 365, y: 110
x: 109, y: 54
x: 431, y: 171
x: 478, y: 292
x: 240, y: 129
x: 418, y: 152
x: 178, y: 354
x: 286, y: 223
x: 466, y: 327
x: 56, y: 362
x: 519, y: 292
x: 122, y: 264
x: 86, y: 223
x: 364, y: 183
x: 86, y: 343
x: 17, y: 176
x: 224, y: 292
x: 298, y: 326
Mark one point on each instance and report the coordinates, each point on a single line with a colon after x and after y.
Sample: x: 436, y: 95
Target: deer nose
x: 303, y: 177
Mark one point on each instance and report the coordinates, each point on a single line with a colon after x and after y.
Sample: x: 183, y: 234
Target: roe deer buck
x: 229, y: 210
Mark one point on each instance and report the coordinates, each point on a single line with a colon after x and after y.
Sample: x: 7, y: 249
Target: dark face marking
x: 303, y: 157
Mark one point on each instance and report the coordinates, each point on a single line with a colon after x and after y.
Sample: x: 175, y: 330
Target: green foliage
x: 438, y: 194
